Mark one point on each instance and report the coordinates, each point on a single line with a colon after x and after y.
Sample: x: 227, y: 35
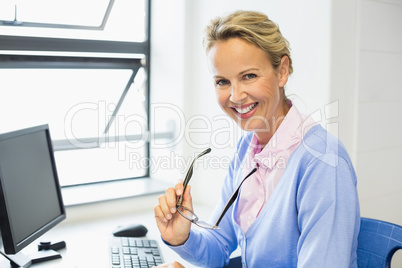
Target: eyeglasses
x: 190, y: 215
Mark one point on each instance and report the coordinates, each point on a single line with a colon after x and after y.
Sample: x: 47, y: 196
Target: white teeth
x: 246, y: 110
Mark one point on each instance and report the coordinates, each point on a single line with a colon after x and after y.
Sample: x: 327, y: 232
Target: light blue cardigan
x: 311, y: 220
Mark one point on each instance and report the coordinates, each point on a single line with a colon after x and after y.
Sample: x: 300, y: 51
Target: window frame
x: 17, y: 22
x: 29, y: 52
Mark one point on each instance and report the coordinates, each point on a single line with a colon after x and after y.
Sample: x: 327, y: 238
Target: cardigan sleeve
x: 328, y: 213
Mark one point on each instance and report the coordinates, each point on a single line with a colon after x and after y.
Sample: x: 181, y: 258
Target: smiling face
x: 248, y: 88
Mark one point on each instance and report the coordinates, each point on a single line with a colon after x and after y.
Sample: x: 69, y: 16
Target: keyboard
x: 128, y: 252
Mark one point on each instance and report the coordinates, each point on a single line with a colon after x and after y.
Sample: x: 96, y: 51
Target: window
x: 122, y: 20
x: 82, y: 67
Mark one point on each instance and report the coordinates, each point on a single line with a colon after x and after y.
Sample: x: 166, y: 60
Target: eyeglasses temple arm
x: 185, y: 183
x: 189, y: 174
x: 233, y: 198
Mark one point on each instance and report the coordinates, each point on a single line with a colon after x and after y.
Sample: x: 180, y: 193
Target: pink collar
x: 289, y: 133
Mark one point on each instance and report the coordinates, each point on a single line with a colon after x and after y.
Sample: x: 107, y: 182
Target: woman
x: 300, y: 209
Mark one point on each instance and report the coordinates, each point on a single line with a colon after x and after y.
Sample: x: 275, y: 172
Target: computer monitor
x: 30, y: 197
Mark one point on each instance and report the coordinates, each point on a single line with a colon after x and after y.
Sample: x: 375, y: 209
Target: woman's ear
x: 283, y: 71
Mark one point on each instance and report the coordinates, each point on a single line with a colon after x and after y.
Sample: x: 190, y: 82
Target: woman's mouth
x: 245, y: 111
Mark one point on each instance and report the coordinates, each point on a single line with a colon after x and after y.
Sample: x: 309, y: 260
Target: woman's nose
x: 237, y: 94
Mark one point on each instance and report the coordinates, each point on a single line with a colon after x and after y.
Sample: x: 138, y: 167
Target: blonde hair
x: 253, y: 27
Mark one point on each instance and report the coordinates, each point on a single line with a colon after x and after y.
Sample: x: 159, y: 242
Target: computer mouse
x: 132, y: 230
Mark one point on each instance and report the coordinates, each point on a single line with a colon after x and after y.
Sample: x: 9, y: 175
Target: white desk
x: 87, y: 241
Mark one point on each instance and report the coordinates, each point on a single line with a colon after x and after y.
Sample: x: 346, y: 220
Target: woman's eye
x: 250, y: 76
x: 221, y: 82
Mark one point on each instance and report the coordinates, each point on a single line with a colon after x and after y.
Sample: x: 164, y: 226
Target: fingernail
x: 173, y: 210
x: 178, y: 192
x: 168, y: 216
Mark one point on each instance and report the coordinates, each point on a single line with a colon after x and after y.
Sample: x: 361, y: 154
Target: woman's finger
x: 159, y: 214
x: 179, y: 187
x: 164, y: 206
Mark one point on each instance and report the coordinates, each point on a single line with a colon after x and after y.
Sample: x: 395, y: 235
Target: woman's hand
x: 170, y: 265
x: 174, y: 228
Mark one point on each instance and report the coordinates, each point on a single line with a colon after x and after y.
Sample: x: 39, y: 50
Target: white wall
x: 167, y: 83
x: 379, y: 132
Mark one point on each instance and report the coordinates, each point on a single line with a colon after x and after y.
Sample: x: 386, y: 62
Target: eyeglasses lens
x: 187, y: 213
x: 190, y: 215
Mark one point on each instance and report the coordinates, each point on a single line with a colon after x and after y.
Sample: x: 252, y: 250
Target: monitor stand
x: 24, y: 261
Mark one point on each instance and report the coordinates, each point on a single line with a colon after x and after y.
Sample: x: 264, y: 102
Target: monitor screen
x: 30, y: 195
